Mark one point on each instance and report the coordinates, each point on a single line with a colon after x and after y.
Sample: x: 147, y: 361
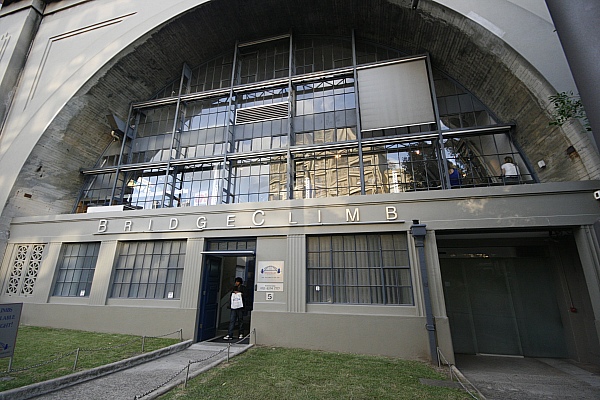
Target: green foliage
x: 568, y: 106
x: 278, y: 373
x: 37, y: 345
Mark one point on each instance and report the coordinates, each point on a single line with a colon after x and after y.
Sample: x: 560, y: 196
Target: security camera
x: 597, y: 194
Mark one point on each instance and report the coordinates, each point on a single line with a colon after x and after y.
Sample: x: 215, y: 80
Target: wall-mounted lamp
x: 117, y: 126
x: 414, y: 4
x: 542, y: 164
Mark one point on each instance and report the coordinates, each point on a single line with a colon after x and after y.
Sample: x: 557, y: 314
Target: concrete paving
x: 512, y: 378
x: 145, y: 381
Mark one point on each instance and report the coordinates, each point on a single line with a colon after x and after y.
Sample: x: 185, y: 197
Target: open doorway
x: 223, y: 261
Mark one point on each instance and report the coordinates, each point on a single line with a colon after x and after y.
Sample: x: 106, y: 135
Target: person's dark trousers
x: 236, y: 315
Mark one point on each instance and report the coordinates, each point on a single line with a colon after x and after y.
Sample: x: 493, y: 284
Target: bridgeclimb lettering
x: 259, y: 218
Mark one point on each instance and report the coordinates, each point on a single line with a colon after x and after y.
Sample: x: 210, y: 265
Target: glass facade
x: 279, y: 119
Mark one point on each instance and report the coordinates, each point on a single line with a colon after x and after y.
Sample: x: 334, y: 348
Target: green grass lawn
x: 37, y: 345
x: 259, y: 373
x: 278, y: 373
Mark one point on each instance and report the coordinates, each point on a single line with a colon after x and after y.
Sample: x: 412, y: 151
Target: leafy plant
x: 568, y: 106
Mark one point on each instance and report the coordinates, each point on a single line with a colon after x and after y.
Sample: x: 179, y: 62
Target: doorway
x: 224, y: 260
x: 502, y: 299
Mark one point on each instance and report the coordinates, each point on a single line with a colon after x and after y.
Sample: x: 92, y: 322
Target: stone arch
x: 475, y: 57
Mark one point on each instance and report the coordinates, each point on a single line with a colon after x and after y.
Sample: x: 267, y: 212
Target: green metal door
x: 503, y: 306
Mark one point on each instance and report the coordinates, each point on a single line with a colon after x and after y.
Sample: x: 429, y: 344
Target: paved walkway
x: 510, y: 378
x: 149, y: 380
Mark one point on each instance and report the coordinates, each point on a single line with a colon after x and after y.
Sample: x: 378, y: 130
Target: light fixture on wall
x: 117, y: 126
x: 414, y: 4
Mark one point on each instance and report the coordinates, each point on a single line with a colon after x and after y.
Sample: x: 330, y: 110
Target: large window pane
x: 149, y: 274
x: 75, y: 269
x: 354, y: 269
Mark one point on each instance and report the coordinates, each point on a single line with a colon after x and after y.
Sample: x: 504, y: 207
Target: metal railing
x: 80, y: 350
x: 456, y: 376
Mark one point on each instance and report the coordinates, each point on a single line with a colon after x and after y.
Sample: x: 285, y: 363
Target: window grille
x: 76, y: 266
x: 149, y: 270
x: 25, y: 268
x: 359, y: 269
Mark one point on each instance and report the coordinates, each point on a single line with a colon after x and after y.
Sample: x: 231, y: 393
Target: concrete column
x: 192, y: 273
x: 19, y: 23
x: 295, y: 273
x: 576, y: 23
x: 100, y: 290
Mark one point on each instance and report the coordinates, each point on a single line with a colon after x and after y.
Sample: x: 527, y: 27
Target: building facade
x: 382, y: 174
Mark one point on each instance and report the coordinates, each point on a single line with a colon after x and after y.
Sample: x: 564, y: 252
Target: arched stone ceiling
x: 466, y: 51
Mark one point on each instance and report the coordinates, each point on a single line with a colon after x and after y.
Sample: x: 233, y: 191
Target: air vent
x: 261, y: 113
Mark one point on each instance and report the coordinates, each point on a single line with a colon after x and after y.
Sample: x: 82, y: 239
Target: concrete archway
x: 472, y: 55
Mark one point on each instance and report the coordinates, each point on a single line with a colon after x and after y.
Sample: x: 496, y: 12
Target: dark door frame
x: 209, y: 302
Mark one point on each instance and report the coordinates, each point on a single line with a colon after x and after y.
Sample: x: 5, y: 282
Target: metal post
x: 143, y: 343
x: 181, y: 335
x: 228, y: 347
x: 187, y: 375
x: 76, y: 359
x: 419, y: 231
x: 10, y: 360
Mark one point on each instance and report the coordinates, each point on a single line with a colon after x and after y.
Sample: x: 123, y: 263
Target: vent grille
x: 261, y: 113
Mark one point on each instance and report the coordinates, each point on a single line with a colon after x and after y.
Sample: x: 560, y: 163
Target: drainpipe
x: 419, y: 231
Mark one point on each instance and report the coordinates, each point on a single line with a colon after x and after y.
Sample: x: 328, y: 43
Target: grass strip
x: 279, y: 373
x: 37, y: 345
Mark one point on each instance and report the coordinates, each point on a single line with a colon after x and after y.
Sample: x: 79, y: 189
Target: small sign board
x: 270, y: 271
x: 10, y: 314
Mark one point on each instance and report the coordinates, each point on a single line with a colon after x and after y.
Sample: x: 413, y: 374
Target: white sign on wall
x: 270, y: 271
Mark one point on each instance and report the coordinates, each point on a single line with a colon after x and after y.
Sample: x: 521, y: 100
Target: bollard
x: 143, y: 342
x: 187, y: 374
x: 254, y: 334
x: 228, y: 347
x: 76, y: 359
x: 181, y: 335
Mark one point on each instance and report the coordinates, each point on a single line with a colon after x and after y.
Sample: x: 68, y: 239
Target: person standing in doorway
x: 236, y: 314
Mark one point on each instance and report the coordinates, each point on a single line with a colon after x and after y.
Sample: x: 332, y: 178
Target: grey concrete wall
x: 131, y: 320
x: 367, y: 334
x: 282, y: 237
x: 20, y: 23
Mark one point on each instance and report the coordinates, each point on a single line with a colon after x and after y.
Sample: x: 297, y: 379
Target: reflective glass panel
x: 478, y: 160
x: 259, y: 179
x: 325, y: 112
x: 204, y: 130
x: 330, y: 173
x: 401, y: 167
